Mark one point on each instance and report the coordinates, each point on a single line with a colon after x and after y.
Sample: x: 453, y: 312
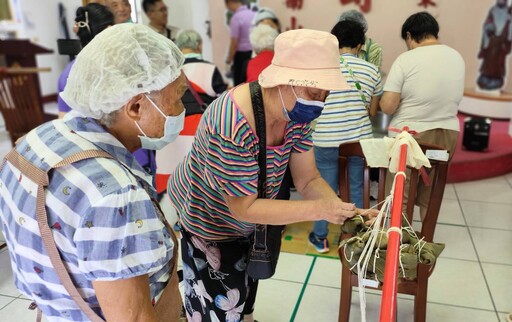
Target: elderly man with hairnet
x: 87, y: 240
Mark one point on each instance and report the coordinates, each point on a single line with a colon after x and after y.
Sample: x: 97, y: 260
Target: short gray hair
x: 190, y: 39
x: 262, y: 37
x: 354, y: 15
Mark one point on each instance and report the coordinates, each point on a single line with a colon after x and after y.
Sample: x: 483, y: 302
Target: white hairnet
x: 120, y: 62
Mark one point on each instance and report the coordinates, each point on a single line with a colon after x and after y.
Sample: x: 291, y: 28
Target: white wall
x: 189, y: 14
x: 460, y: 26
x: 40, y: 23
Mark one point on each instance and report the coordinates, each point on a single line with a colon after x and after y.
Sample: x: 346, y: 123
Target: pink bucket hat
x: 307, y: 58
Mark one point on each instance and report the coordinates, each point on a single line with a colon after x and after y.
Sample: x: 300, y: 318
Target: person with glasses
x: 346, y: 118
x: 157, y: 13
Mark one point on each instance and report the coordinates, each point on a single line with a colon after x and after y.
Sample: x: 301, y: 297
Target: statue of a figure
x: 496, y: 45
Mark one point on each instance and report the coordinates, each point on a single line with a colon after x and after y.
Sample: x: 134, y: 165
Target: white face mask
x: 172, y: 128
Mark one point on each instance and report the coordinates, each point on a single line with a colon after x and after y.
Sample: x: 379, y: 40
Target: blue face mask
x: 304, y: 111
x: 172, y: 128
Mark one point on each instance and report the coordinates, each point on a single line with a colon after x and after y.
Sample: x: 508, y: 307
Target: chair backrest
x: 437, y: 175
x: 19, y: 103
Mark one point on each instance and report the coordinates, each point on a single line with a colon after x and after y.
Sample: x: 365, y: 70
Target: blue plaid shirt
x: 102, y: 218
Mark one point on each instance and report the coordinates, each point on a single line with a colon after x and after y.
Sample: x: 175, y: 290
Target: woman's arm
x: 374, y: 106
x: 125, y: 299
x: 232, y: 50
x: 321, y: 201
x: 389, y: 102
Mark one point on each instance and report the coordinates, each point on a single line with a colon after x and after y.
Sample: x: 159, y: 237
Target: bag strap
x: 367, y: 50
x: 194, y: 93
x: 40, y: 177
x: 260, y: 232
x: 259, y: 119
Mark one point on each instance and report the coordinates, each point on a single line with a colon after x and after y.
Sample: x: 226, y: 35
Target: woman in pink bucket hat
x: 217, y: 191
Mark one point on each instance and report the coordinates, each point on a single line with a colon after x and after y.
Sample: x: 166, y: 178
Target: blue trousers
x: 327, y: 163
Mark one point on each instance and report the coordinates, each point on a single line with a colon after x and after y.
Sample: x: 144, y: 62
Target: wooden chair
x: 418, y: 287
x: 19, y: 103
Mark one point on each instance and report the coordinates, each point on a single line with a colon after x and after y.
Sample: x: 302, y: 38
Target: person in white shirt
x: 424, y: 88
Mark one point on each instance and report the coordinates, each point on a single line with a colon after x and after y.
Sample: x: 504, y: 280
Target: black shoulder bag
x: 266, y: 240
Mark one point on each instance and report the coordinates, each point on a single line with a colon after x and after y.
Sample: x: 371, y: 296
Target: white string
x: 382, y: 220
x: 365, y: 257
x: 400, y: 258
x: 396, y: 230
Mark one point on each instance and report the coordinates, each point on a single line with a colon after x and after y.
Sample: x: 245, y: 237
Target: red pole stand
x: 390, y: 285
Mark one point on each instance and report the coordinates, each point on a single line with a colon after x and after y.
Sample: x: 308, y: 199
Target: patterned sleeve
x: 121, y: 236
x: 375, y: 54
x: 302, y: 139
x: 231, y: 168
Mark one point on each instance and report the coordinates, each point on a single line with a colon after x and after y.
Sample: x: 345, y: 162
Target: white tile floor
x: 472, y: 280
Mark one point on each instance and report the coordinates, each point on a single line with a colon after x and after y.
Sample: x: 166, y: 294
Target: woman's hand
x: 336, y: 211
x: 371, y: 213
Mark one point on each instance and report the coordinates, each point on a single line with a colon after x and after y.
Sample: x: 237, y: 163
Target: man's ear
x: 133, y: 108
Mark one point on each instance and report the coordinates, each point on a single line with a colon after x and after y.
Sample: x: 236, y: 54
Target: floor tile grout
x: 412, y: 299
x: 303, y: 290
x: 477, y: 256
x: 13, y: 299
x: 487, y: 202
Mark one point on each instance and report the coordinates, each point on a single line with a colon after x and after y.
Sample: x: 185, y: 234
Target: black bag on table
x: 476, y: 135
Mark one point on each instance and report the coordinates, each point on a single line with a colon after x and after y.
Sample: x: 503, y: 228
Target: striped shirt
x: 224, y: 161
x: 103, y: 221
x: 344, y: 117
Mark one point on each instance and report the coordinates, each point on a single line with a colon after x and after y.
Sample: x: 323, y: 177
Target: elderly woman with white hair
x: 262, y: 39
x: 86, y: 237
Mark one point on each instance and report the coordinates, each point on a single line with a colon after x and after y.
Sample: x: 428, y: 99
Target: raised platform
x: 486, y: 105
x: 495, y: 161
